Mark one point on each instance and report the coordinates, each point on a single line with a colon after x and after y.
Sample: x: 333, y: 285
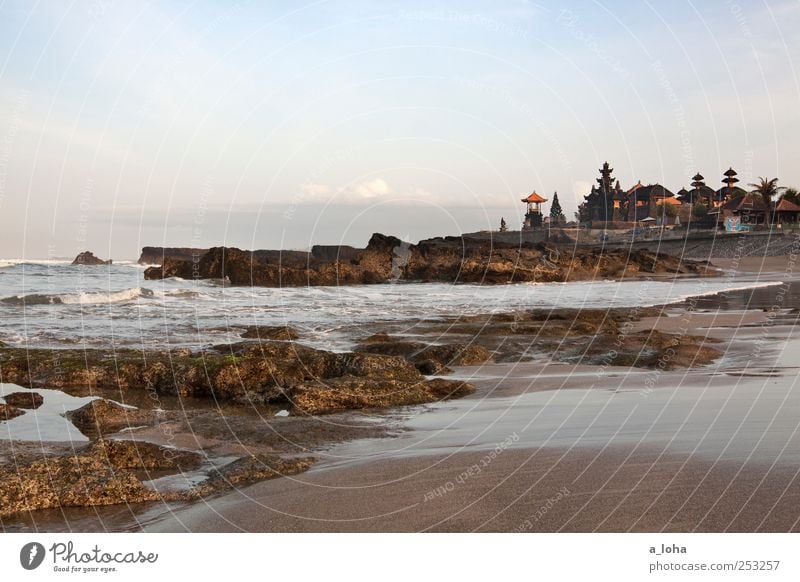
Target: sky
x: 288, y: 124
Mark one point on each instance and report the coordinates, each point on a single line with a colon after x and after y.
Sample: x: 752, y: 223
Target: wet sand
x: 754, y: 264
x: 539, y: 490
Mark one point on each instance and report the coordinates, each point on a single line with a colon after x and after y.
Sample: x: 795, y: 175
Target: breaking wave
x: 93, y: 298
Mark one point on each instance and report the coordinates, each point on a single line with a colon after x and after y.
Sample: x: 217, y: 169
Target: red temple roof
x: 533, y: 198
x: 786, y: 206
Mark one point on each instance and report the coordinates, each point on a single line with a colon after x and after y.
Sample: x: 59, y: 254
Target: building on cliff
x: 608, y: 205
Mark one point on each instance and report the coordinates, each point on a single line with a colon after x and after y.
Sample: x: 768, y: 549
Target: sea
x: 51, y: 303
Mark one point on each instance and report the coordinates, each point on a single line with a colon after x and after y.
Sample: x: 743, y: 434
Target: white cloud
x: 314, y: 190
x: 370, y: 190
x: 380, y: 191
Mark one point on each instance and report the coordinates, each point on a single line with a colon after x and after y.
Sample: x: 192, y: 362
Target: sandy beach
x: 613, y: 489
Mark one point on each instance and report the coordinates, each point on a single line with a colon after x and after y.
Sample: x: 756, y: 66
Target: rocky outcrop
x: 7, y: 412
x: 252, y: 469
x: 29, y: 400
x: 85, y: 479
x: 110, y: 472
x: 350, y: 392
x: 450, y: 259
x: 157, y: 255
x: 100, y: 417
x: 144, y: 456
x: 429, y: 359
x: 172, y: 268
x: 266, y: 372
x: 271, y: 332
x: 88, y: 258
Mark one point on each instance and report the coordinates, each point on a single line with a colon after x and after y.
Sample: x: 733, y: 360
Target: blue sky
x: 290, y: 124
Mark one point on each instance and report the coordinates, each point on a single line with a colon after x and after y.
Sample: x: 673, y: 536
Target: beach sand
x: 539, y: 490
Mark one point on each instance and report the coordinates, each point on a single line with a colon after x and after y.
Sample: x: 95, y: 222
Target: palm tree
x: 767, y: 189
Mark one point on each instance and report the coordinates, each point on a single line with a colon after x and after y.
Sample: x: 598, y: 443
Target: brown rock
x: 270, y: 332
x: 133, y: 455
x: 252, y: 469
x: 88, y: 258
x: 348, y: 392
x: 80, y: 480
x: 7, y: 412
x: 30, y: 400
x: 100, y: 417
x: 247, y: 372
x: 429, y: 359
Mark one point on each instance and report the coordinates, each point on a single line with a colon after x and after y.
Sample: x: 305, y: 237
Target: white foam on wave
x: 6, y: 263
x: 82, y: 298
x: 91, y: 298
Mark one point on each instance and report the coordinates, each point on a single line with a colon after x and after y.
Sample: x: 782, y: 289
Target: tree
x: 699, y: 210
x: 791, y: 194
x: 767, y: 189
x: 556, y: 214
x: 666, y: 209
x: 503, y: 225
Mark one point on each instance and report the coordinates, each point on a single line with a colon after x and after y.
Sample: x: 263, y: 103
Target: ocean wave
x: 181, y: 294
x: 83, y: 298
x: 7, y: 263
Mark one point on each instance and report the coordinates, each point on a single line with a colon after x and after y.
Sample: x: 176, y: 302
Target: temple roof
x: 651, y: 191
x: 636, y: 187
x: 730, y: 173
x: 747, y: 202
x: 732, y: 192
x: 534, y: 198
x: 787, y: 206
x: 703, y: 191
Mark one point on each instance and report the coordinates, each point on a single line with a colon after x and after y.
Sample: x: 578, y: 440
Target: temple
x: 610, y: 207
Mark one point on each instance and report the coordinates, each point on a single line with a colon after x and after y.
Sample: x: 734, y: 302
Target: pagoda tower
x: 700, y: 192
x: 533, y: 214
x: 599, y: 203
x: 730, y: 187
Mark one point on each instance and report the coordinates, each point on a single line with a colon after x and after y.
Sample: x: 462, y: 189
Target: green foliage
x: 791, y: 194
x: 767, y: 189
x: 556, y: 213
x: 699, y: 210
x: 666, y: 209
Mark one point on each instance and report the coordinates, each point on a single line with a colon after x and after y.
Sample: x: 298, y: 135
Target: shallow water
x: 746, y: 415
x: 46, y: 423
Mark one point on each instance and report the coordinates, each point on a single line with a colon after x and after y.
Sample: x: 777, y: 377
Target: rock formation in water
x: 88, y: 258
x: 451, y: 260
x: 157, y: 255
x: 30, y: 400
x: 7, y: 412
x: 294, y: 376
x: 100, y: 417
